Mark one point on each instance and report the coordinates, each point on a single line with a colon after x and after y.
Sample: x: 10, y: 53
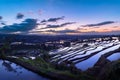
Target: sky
x: 60, y: 17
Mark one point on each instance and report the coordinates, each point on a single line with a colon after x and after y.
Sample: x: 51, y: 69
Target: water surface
x: 114, y: 56
x: 84, y: 65
x: 11, y: 71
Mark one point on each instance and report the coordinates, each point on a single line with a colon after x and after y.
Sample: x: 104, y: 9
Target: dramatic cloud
x: 101, y: 33
x: 53, y: 19
x: 56, y: 26
x: 1, y: 17
x: 68, y: 23
x: 63, y: 31
x: 68, y: 31
x: 3, y: 23
x: 52, y: 26
x: 25, y: 26
x: 99, y: 24
x: 58, y: 32
x: 19, y: 16
x: 43, y: 21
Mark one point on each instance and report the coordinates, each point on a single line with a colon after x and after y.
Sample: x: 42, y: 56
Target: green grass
x: 46, y: 67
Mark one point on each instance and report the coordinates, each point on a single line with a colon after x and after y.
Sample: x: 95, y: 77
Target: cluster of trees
x: 5, y: 49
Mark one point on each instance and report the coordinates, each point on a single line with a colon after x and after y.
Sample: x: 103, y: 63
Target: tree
x: 5, y: 48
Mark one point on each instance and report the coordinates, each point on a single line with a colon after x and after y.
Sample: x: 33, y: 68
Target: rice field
x: 84, y: 57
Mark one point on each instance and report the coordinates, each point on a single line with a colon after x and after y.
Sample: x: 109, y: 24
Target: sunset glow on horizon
x: 56, y: 17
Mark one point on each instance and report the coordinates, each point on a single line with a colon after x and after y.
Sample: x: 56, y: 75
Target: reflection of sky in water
x: 92, y: 60
x: 11, y: 71
x: 115, y: 56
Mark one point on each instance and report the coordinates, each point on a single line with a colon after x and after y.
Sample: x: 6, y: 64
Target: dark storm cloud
x: 53, y: 19
x: 61, y: 25
x: 25, y: 26
x: 1, y: 17
x: 52, y: 26
x: 19, y: 16
x: 99, y: 24
x: 43, y: 21
x: 3, y: 23
x: 68, y: 23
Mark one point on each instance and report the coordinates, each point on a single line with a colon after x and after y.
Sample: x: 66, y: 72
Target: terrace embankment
x: 103, y: 65
x: 51, y: 73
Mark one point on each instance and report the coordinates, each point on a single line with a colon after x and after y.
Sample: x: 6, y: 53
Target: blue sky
x: 82, y: 12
